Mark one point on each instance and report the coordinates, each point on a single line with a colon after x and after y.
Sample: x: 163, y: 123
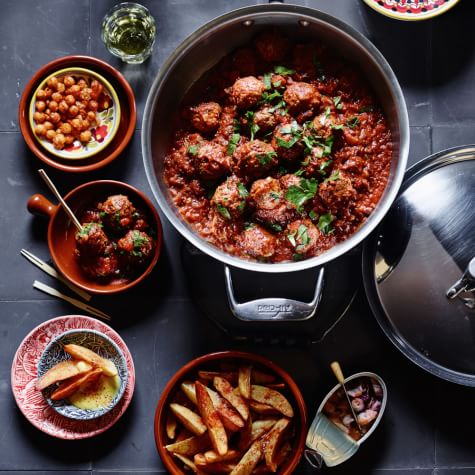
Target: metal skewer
x: 56, y: 193
x: 336, y: 368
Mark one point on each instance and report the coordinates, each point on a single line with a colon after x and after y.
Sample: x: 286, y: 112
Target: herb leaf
x: 267, y: 82
x: 266, y: 158
x: 193, y: 149
x: 324, y: 223
x: 334, y: 176
x: 223, y: 211
x: 300, y: 194
x: 233, y: 141
x: 243, y: 193
x: 254, y: 129
x: 352, y: 122
x: 283, y: 71
x: 269, y: 97
x: 337, y: 103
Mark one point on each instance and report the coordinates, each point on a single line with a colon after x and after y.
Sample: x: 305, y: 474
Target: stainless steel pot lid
x: 418, y: 269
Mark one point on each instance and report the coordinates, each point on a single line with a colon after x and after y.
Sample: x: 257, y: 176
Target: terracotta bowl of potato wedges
x: 231, y: 412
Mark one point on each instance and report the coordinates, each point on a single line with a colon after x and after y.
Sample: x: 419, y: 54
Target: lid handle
x: 313, y: 458
x: 465, y: 284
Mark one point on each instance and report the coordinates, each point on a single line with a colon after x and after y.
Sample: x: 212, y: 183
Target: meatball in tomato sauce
x: 246, y: 92
x: 117, y: 212
x: 205, y: 116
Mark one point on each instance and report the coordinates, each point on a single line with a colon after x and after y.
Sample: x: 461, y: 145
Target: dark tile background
x: 428, y: 426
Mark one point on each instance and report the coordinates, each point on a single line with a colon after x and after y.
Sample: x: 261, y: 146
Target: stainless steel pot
x: 206, y: 46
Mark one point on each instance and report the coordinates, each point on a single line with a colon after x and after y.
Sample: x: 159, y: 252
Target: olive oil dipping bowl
x: 111, y: 389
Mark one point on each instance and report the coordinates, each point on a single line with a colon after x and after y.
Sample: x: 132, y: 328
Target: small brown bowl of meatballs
x: 119, y: 241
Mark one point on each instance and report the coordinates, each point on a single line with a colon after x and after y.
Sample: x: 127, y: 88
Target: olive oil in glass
x: 128, y: 31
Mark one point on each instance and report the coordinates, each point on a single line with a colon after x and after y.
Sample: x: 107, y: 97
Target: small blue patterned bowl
x: 54, y: 353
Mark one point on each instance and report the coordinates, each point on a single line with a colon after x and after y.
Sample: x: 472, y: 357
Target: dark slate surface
x: 428, y: 426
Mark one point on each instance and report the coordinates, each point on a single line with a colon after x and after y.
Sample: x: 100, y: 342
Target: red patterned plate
x: 411, y: 9
x: 32, y: 403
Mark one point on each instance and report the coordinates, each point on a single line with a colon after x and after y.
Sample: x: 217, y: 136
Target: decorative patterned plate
x: 32, y: 403
x: 107, y: 119
x: 411, y: 9
x: 95, y: 341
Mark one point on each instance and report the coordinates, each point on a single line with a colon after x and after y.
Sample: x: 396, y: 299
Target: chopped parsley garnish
x: 279, y: 105
x: 267, y: 82
x: 320, y: 149
x: 283, y: 71
x: 86, y: 229
x: 223, y: 211
x: 325, y: 165
x: 138, y: 240
x: 337, y: 103
x: 269, y: 97
x: 289, y: 129
x: 324, y: 223
x: 117, y: 218
x: 249, y: 115
x: 243, y: 193
x: 300, y: 194
x: 366, y: 109
x: 327, y: 112
x: 241, y: 206
x: 254, y: 129
x: 193, y: 149
x: 337, y: 126
x: 334, y: 176
x: 275, y: 227
x: 300, y: 172
x: 276, y: 83
x: 248, y: 226
x: 233, y: 141
x: 352, y: 122
x: 237, y: 126
x: 266, y: 158
x: 291, y: 238
x: 274, y: 195
x: 312, y: 215
x: 297, y: 257
x: 103, y: 214
x: 285, y: 143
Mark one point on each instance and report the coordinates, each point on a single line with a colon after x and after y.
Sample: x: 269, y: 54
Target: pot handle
x: 273, y: 309
x: 41, y: 206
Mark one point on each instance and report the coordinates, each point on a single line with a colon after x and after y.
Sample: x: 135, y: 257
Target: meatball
x: 271, y: 207
x: 244, y: 61
x: 140, y: 221
x: 91, y: 240
x: 303, y: 235
x: 212, y: 161
x: 136, y: 247
x: 226, y: 125
x: 258, y: 243
x: 271, y: 46
x: 301, y: 96
x: 246, y: 92
x: 337, y: 190
x: 265, y: 118
x: 102, y: 266
x: 254, y: 158
x: 205, y: 116
x: 286, y: 141
x: 117, y: 212
x: 325, y: 124
x: 230, y: 198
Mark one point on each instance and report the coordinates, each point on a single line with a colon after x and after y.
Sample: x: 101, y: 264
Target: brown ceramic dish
x: 126, y: 125
x: 61, y: 231
x: 210, y: 361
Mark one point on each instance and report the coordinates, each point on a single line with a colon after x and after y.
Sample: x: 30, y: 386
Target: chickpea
x: 51, y: 82
x: 70, y: 100
x: 40, y: 106
x: 48, y: 111
x: 69, y: 139
x: 69, y: 81
x: 60, y: 87
x: 55, y: 117
x: 91, y: 116
x: 50, y: 134
x: 40, y: 95
x: 66, y: 128
x: 53, y: 106
x: 63, y: 107
x: 85, y: 136
x: 96, y: 88
x: 56, y: 96
x: 85, y: 94
x: 93, y: 105
x: 82, y: 83
x: 48, y: 91
x: 85, y: 124
x: 40, y: 130
x: 59, y: 141
x: 48, y: 125
x: 39, y: 117
x: 75, y: 90
x: 76, y: 124
x: 73, y: 111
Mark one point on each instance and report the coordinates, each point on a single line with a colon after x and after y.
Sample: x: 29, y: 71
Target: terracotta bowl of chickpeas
x: 74, y: 113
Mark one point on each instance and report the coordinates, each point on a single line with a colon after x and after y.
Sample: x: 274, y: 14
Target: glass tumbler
x: 128, y: 32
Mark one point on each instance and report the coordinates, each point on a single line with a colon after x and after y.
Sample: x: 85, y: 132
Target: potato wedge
x: 85, y: 354
x: 190, y: 446
x: 189, y: 463
x: 231, y: 419
x: 231, y: 376
x: 244, y: 381
x: 227, y: 391
x: 245, y: 435
x: 212, y: 457
x: 271, y: 442
x: 250, y: 459
x: 211, y: 418
x: 184, y: 434
x: 64, y: 370
x: 281, y: 456
x: 273, y: 398
x: 263, y: 409
x: 71, y: 385
x: 259, y: 428
x: 170, y: 426
x: 217, y: 468
x: 189, y: 419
